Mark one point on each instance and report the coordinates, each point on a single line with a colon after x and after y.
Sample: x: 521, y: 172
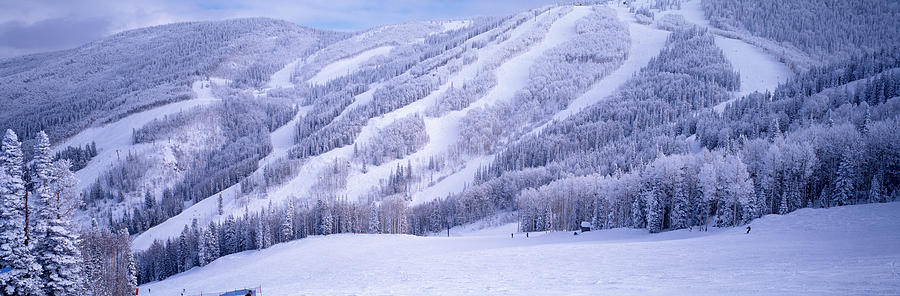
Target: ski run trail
x: 851, y: 250
x: 349, y: 65
x: 760, y: 72
x: 114, y: 140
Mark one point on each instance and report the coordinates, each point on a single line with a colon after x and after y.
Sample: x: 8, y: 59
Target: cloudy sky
x: 28, y: 26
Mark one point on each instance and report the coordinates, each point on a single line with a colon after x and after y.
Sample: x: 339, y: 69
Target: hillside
x: 839, y: 251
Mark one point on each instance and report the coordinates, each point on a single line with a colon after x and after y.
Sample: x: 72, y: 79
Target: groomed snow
x: 348, y: 65
x: 853, y: 250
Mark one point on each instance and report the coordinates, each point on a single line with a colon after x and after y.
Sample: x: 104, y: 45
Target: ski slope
x: 759, y: 71
x: 853, y: 250
x: 348, y: 65
x: 512, y: 76
x: 646, y: 42
x: 114, y: 140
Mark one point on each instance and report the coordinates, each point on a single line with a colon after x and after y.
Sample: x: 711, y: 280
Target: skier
x: 748, y: 229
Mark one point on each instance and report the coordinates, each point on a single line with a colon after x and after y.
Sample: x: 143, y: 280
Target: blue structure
x: 242, y: 292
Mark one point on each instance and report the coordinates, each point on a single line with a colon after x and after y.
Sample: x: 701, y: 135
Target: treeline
x: 617, y: 134
x: 199, y: 245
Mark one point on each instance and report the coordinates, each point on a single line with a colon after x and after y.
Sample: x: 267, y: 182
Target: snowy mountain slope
x: 442, y: 131
x: 205, y: 210
x: 114, y: 140
x: 100, y: 82
x: 759, y: 70
x: 645, y: 43
x: 837, y: 251
x: 282, y: 139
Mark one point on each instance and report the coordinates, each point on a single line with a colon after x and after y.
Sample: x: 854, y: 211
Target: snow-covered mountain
x: 210, y: 138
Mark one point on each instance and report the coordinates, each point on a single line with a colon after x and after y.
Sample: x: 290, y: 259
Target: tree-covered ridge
x: 64, y: 92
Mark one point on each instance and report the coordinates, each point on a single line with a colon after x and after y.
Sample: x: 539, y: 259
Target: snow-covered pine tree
x: 287, y: 224
x: 220, y: 204
x: 24, y: 276
x: 208, y: 246
x: 638, y: 216
x: 374, y: 224
x: 681, y: 204
x: 55, y: 244
x: 844, y: 189
x: 876, y: 193
x: 653, y: 208
x: 325, y: 224
x: 128, y: 277
x: 231, y: 244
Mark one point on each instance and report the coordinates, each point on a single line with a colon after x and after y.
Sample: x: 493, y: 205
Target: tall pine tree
x: 55, y: 244
x: 24, y: 275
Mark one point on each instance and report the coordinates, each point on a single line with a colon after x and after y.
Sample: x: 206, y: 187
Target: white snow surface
x: 348, y: 65
x: 852, y: 250
x: 282, y: 78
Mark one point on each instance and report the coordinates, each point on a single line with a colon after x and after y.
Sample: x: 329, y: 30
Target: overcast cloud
x: 28, y: 26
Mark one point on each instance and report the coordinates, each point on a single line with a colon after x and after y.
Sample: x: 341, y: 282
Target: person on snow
x: 748, y: 229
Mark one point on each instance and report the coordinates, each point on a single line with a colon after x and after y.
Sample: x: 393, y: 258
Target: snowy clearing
x: 838, y: 251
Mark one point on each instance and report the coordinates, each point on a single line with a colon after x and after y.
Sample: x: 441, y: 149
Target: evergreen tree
x: 654, y: 208
x: 55, y: 244
x: 844, y: 189
x: 325, y: 224
x: 876, y: 193
x: 374, y: 221
x: 24, y: 276
x: 129, y: 276
x: 287, y: 224
x: 231, y: 239
x: 638, y: 217
x: 681, y: 205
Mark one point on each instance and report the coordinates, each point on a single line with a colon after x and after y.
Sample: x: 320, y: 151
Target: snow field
x: 851, y: 250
